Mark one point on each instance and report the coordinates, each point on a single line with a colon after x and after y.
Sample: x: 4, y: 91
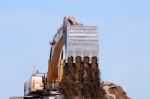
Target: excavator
x: 73, y: 67
x: 73, y: 44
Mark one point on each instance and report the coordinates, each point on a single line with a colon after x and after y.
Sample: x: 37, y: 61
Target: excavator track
x: 81, y: 79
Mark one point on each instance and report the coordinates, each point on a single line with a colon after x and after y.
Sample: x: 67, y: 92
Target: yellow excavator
x: 72, y: 39
x: 73, y: 67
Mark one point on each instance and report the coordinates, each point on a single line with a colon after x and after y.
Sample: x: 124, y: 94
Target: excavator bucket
x: 81, y: 41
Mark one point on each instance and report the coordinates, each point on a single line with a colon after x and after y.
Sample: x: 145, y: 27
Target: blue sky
x: 26, y: 26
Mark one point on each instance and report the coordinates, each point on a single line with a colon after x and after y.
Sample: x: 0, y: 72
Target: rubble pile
x: 113, y: 91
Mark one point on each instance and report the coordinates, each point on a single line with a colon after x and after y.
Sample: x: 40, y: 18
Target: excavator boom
x: 53, y: 62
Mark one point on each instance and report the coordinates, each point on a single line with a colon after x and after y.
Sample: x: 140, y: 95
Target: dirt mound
x: 113, y: 91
